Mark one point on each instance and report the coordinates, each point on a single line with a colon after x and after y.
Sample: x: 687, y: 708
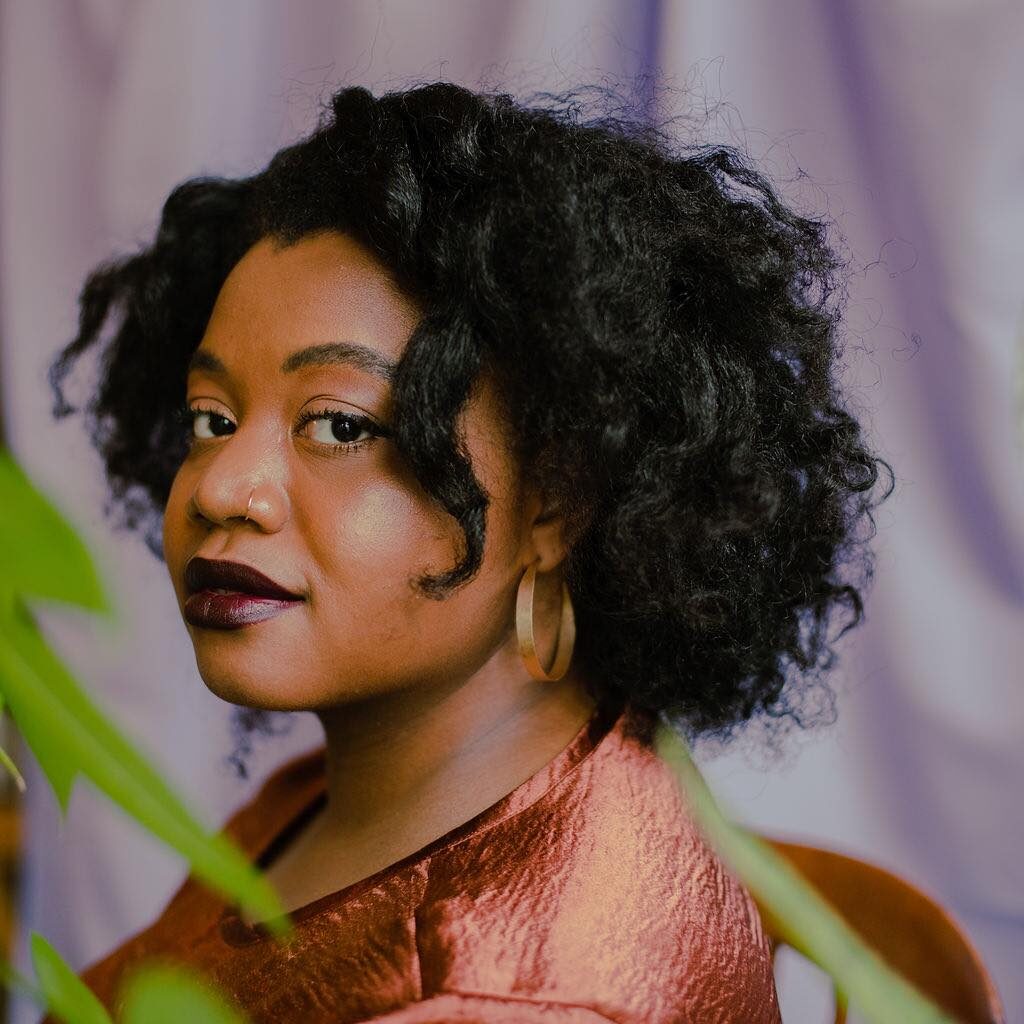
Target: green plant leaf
x: 12, y: 768
x: 67, y: 996
x: 162, y: 993
x: 41, y: 555
x: 152, y: 992
x: 880, y: 994
x: 30, y: 714
x: 69, y: 734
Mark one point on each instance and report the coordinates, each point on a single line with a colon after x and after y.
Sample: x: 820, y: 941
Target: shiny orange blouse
x: 584, y: 895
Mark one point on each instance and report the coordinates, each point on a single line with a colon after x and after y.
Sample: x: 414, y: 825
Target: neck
x: 412, y: 765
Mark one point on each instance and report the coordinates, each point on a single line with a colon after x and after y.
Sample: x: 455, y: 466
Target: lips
x: 207, y: 574
x: 228, y: 595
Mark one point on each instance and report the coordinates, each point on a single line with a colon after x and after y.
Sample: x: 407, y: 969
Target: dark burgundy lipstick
x: 229, y: 595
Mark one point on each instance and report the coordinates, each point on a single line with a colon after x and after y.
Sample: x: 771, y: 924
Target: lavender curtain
x: 905, y: 117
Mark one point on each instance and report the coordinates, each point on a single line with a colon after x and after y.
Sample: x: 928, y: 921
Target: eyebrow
x: 351, y: 352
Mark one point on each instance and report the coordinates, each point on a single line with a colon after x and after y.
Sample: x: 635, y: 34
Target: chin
x: 265, y: 690
x: 244, y: 694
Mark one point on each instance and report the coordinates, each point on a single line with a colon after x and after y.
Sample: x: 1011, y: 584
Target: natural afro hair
x: 664, y: 331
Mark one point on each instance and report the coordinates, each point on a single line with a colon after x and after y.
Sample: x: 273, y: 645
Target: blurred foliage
x: 156, y: 992
x: 812, y: 927
x: 42, y: 557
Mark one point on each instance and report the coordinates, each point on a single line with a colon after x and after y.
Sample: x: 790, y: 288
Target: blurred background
x: 900, y: 120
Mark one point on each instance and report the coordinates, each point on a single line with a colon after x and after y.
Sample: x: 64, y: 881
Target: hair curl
x: 664, y: 333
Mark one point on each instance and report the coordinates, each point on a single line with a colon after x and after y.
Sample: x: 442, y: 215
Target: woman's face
x: 336, y: 518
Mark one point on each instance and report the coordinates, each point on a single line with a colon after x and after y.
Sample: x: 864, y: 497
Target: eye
x: 341, y: 431
x: 204, y: 423
x: 336, y: 429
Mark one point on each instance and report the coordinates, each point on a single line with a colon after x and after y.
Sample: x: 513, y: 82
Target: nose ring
x: 249, y: 506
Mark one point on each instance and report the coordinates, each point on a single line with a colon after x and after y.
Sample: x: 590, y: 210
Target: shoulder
x: 192, y: 907
x: 602, y: 893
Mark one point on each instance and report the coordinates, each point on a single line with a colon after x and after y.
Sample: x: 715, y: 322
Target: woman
x: 448, y: 371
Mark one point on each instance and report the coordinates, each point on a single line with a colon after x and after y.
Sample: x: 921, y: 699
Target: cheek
x: 368, y: 548
x: 374, y: 542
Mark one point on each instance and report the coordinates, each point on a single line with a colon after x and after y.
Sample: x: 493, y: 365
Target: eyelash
x: 186, y: 415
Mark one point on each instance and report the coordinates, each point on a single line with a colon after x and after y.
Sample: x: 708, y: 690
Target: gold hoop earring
x: 564, y: 641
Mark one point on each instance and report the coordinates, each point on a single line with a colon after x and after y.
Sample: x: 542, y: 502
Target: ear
x: 547, y: 540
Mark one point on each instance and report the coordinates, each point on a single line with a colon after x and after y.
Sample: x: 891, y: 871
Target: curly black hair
x: 665, y: 333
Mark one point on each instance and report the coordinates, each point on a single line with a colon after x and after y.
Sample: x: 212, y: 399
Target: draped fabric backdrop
x: 906, y: 117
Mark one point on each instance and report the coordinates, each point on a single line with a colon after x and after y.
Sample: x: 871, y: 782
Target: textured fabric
x: 585, y: 894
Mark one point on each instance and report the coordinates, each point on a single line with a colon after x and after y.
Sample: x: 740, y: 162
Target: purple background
x: 905, y: 116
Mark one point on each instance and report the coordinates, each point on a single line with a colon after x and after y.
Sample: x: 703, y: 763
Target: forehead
x: 322, y: 289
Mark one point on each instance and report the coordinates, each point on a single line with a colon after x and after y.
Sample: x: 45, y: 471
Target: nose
x: 243, y: 481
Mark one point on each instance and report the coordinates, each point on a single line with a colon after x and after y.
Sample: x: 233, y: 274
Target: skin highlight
x: 428, y: 711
